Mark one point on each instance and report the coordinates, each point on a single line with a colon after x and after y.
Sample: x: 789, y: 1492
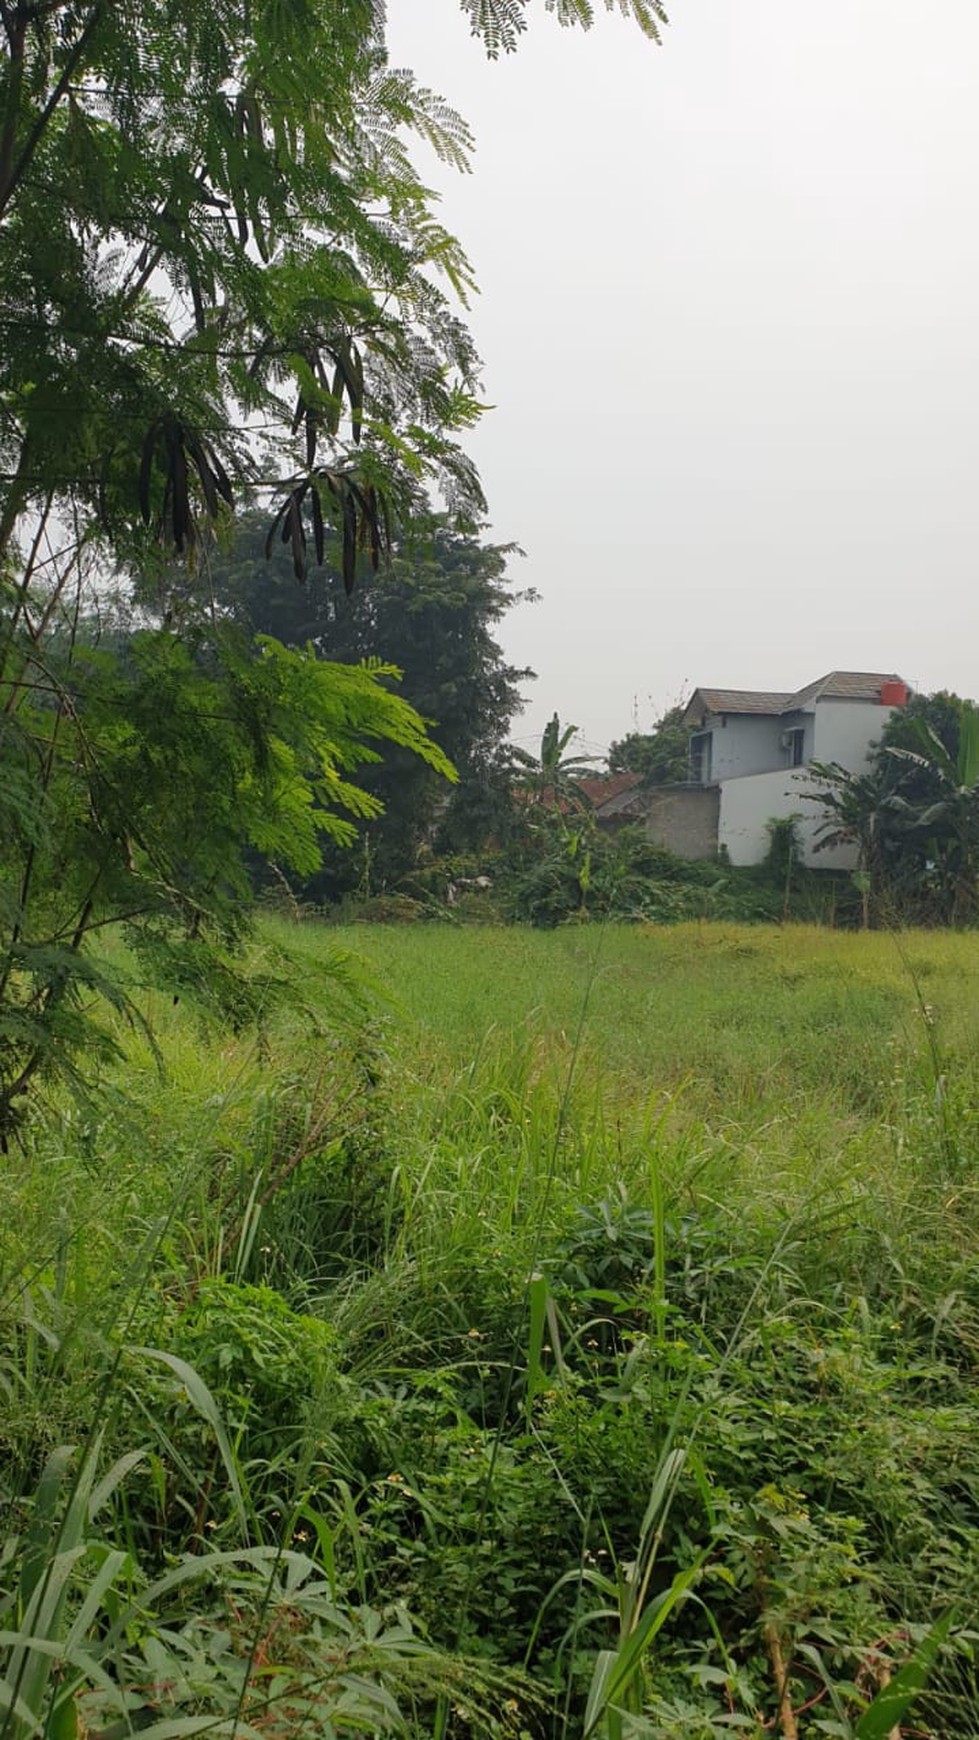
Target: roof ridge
x: 843, y: 685
x: 834, y: 685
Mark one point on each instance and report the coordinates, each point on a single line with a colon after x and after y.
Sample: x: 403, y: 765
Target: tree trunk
x: 788, y: 1726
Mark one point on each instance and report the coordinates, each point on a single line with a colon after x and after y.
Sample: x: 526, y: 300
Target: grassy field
x: 569, y: 1333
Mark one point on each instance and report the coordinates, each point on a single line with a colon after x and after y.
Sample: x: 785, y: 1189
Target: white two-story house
x: 749, y: 750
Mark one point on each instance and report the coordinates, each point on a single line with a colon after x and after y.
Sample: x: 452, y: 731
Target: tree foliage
x: 138, y: 778
x: 433, y: 613
x: 218, y: 264
x: 550, y: 778
x: 913, y: 813
x: 661, y: 755
x: 941, y: 715
x: 859, y: 811
x: 219, y: 270
x: 500, y: 22
x: 946, y: 823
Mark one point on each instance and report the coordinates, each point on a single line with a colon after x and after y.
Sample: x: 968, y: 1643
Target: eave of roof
x: 760, y: 701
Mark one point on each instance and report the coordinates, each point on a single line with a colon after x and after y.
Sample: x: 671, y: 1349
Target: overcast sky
x: 730, y: 326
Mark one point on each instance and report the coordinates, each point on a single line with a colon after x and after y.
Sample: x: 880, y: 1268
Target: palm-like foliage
x: 913, y: 816
x: 860, y: 810
x: 950, y: 822
x: 551, y: 777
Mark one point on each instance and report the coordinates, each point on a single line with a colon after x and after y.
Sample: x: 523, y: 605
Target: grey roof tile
x: 770, y: 703
x: 843, y: 686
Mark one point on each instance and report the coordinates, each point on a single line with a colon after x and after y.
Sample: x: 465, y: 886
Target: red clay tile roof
x: 599, y: 788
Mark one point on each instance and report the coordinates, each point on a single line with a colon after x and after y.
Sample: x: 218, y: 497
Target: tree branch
x: 16, y: 27
x: 10, y: 178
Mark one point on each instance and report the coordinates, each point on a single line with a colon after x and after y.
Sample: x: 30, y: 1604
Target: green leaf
x: 103, y: 1491
x: 888, y: 1708
x: 967, y: 768
x: 615, y: 1670
x: 537, y: 1297
x: 201, y: 1398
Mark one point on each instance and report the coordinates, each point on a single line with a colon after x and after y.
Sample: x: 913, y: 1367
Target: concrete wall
x: 748, y: 743
x: 752, y: 782
x: 847, y: 730
x: 683, y: 819
x: 799, y: 721
x: 747, y: 804
x: 843, y: 731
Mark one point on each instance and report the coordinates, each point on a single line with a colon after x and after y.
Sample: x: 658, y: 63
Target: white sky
x: 730, y: 326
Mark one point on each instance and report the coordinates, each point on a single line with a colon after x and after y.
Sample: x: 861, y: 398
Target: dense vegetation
x: 221, y: 279
x: 660, y: 755
x: 912, y: 814
x: 217, y: 268
x: 504, y: 1335
x: 433, y: 614
x: 583, y: 1324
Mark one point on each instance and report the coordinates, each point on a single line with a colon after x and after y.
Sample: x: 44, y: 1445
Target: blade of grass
x: 888, y: 1708
x: 202, y: 1400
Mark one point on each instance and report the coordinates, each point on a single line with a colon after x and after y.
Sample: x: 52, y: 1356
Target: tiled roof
x: 600, y: 788
x: 770, y: 703
x: 743, y: 700
x: 843, y: 686
x: 629, y: 803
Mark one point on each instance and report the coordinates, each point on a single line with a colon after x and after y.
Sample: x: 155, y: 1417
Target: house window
x: 795, y: 744
x: 700, y: 757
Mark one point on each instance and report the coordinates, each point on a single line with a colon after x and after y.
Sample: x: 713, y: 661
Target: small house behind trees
x: 749, y: 750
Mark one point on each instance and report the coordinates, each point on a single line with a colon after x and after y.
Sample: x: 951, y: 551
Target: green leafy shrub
x: 386, y: 909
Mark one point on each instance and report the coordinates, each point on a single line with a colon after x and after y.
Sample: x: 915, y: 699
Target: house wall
x: 748, y: 743
x: 798, y: 721
x: 683, y: 819
x: 846, y: 730
x: 751, y: 782
x: 747, y: 804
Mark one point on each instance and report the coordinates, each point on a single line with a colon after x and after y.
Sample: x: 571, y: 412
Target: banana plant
x: 550, y: 778
x: 860, y: 809
x: 951, y: 821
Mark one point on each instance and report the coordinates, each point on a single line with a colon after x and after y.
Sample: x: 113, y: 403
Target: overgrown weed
x: 478, y: 1312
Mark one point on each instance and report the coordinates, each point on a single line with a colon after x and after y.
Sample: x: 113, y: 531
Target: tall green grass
x: 568, y: 1333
